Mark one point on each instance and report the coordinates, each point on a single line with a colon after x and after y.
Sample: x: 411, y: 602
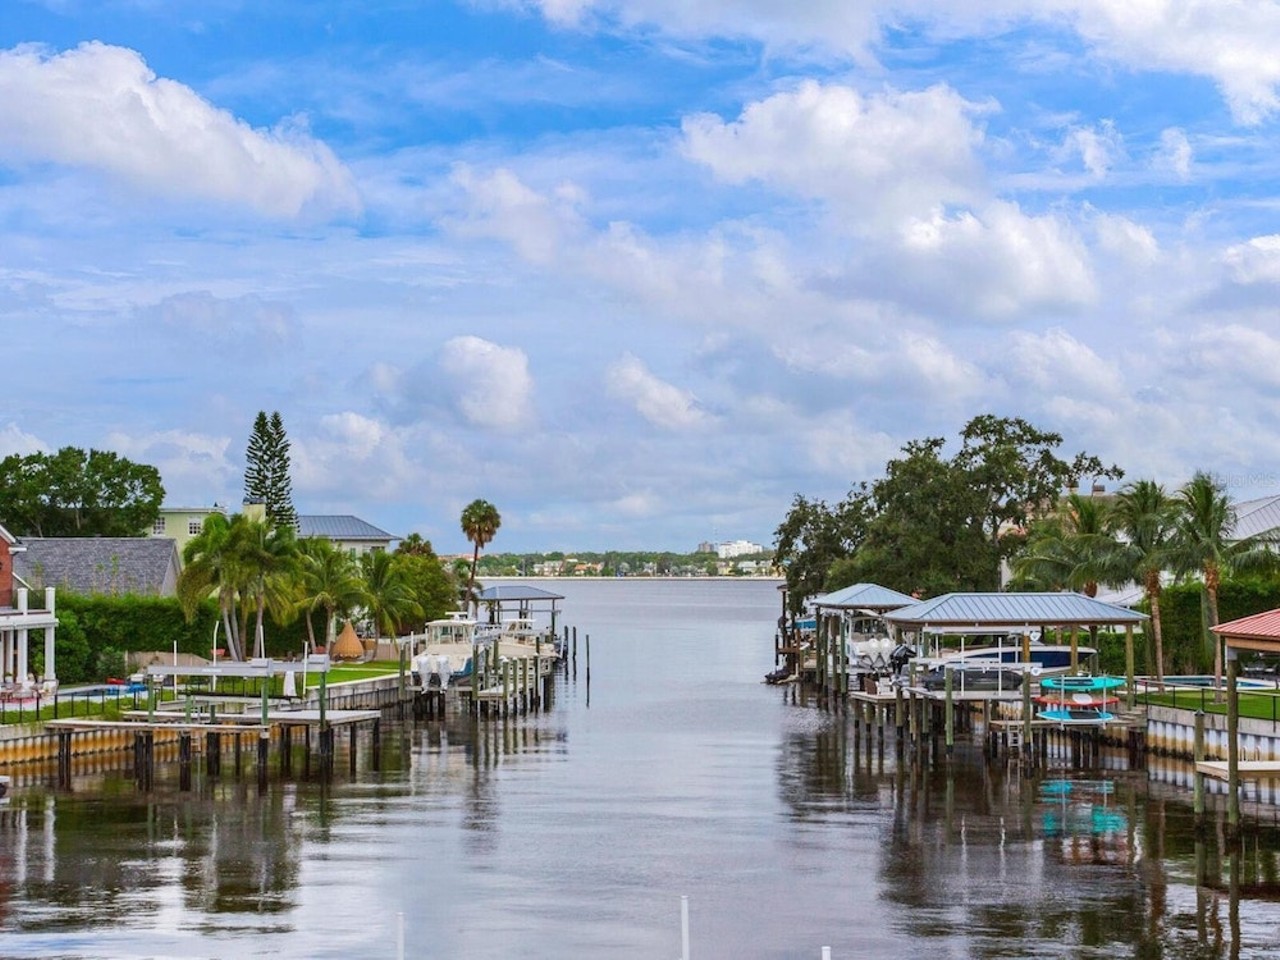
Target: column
x: 49, y: 604
x: 22, y: 655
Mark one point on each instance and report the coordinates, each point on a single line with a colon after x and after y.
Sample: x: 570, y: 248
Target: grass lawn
x: 1258, y: 706
x: 357, y: 671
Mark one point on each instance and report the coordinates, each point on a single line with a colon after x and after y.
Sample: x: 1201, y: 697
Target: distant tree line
x: 616, y: 563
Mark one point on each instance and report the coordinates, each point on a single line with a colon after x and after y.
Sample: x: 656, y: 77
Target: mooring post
x: 949, y: 719
x: 351, y: 749
x: 1199, y: 777
x: 1233, y: 741
x: 377, y: 745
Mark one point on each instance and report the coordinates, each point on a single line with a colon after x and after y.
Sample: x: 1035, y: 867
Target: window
x: 157, y: 528
x: 194, y: 527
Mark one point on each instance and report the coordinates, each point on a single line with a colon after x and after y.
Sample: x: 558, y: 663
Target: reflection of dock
x: 1248, y: 769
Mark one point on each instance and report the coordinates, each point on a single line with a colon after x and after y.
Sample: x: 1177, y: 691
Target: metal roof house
x: 147, y: 566
x: 1259, y: 517
x: 346, y: 532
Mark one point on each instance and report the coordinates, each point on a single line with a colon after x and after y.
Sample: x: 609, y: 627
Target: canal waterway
x: 667, y: 770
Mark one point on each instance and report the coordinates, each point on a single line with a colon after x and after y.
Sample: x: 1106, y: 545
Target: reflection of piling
x: 184, y: 760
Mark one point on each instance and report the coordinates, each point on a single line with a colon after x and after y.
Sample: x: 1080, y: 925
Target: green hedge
x: 90, y: 626
x: 1180, y: 615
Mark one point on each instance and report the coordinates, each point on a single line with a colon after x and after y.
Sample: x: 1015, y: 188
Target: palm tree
x: 1144, y: 520
x: 388, y: 595
x: 269, y: 555
x: 212, y: 564
x: 1069, y: 549
x: 1202, y: 544
x: 327, y: 580
x: 480, y: 522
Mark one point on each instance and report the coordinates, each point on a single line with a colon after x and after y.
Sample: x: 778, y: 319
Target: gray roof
x: 515, y: 592
x: 341, y: 527
x: 1256, y: 517
x: 1013, y: 610
x: 100, y: 565
x: 863, y: 596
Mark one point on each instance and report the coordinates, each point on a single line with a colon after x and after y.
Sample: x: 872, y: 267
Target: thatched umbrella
x: 348, y: 645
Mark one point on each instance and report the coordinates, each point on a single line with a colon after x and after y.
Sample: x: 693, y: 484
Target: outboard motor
x: 901, y: 655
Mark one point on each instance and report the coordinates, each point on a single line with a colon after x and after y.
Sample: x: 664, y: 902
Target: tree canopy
x: 72, y: 493
x: 934, y: 523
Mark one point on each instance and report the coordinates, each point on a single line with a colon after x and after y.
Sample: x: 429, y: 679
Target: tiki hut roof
x: 348, y: 645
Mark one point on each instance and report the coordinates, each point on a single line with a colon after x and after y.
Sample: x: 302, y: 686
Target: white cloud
x: 893, y: 150
x: 501, y: 206
x: 348, y: 452
x: 1232, y: 42
x: 1054, y: 361
x: 13, y: 439
x: 101, y: 107
x: 1256, y: 260
x: 1175, y: 152
x: 997, y: 262
x: 194, y: 467
x: 1099, y: 148
x: 493, y: 385
x: 1121, y: 238
x: 661, y: 403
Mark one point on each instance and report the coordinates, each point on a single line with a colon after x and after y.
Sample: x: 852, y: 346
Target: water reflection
x: 574, y: 833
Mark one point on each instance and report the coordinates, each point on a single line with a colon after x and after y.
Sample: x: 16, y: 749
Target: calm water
x: 573, y: 834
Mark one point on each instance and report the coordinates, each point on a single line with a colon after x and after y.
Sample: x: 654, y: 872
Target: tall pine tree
x: 280, y: 488
x: 266, y: 470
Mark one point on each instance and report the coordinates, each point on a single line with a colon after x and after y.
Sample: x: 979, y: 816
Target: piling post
x: 264, y: 743
x: 377, y: 745
x: 184, y: 760
x: 1132, y: 695
x: 949, y: 719
x: 1199, y: 777
x: 1233, y: 741
x: 1026, y: 716
x: 351, y: 750
x: 898, y: 719
x: 286, y: 749
x: 684, y: 928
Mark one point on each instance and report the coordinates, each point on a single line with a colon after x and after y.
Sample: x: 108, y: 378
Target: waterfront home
x: 17, y: 619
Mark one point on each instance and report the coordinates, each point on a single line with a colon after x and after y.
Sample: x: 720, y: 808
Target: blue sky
x: 636, y: 271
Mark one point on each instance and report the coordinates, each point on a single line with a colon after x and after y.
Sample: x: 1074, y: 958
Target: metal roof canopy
x: 980, y: 610
x: 863, y: 596
x: 515, y: 592
x: 1260, y: 631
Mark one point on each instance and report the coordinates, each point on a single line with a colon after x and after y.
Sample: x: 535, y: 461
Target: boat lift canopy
x: 259, y: 667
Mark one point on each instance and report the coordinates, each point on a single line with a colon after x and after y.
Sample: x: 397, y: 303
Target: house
x: 180, y: 524
x: 148, y: 566
x: 18, y: 618
x: 346, y: 532
x: 1259, y: 517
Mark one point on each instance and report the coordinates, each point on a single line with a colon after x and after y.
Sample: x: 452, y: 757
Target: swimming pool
x: 1243, y: 683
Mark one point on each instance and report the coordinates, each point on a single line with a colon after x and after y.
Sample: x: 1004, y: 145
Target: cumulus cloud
x: 894, y: 150
x: 493, y: 385
x: 1255, y: 261
x: 1047, y: 361
x: 194, y: 467
x: 13, y: 439
x: 501, y: 206
x: 349, y: 451
x: 100, y: 107
x: 996, y: 262
x: 662, y: 404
